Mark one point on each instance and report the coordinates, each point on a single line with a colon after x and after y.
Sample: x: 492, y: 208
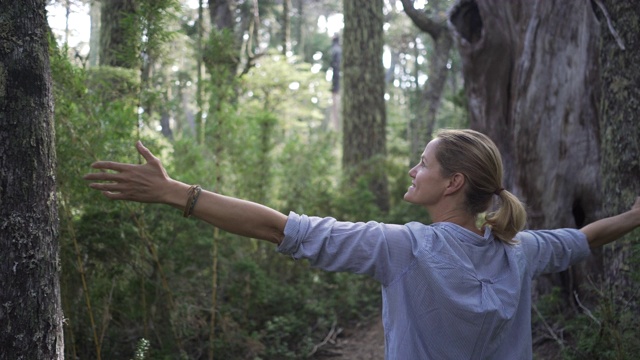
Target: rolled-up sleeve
x: 550, y: 251
x: 375, y: 249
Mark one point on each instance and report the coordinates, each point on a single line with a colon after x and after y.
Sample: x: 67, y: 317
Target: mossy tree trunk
x: 363, y: 109
x: 30, y: 310
x: 620, y: 132
x: 119, y: 34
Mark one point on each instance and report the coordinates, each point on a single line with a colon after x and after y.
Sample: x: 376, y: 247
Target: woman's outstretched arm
x: 150, y: 183
x: 609, y: 229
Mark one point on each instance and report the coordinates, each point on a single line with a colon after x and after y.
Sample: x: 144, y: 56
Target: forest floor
x: 364, y: 341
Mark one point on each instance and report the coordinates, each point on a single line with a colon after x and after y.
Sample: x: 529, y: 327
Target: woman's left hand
x: 147, y: 183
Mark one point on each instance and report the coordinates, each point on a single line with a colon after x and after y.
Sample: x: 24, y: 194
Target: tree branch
x: 610, y: 24
x: 422, y: 21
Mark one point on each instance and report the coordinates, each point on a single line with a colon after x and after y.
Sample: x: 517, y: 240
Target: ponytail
x: 509, y: 219
x: 473, y: 154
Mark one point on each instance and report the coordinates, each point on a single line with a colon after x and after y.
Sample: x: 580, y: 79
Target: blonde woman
x: 451, y: 289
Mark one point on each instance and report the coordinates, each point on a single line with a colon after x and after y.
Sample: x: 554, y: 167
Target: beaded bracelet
x: 193, y: 194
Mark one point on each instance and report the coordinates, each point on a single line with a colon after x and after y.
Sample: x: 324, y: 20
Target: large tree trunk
x: 619, y: 122
x: 363, y: 110
x: 30, y: 310
x: 531, y: 76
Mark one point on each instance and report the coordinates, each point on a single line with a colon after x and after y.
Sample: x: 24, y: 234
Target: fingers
x: 108, y: 187
x: 110, y: 165
x: 102, y: 176
x: 146, y: 154
x: 114, y: 195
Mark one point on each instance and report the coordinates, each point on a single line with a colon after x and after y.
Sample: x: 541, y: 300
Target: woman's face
x: 428, y: 184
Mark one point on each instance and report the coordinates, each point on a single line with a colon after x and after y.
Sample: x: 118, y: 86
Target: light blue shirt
x: 447, y: 293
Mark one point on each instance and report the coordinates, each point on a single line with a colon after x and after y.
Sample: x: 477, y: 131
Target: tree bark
x: 620, y: 163
x: 363, y: 111
x: 119, y: 35
x: 30, y: 310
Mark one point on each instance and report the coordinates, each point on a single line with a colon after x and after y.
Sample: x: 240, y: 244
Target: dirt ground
x: 364, y: 341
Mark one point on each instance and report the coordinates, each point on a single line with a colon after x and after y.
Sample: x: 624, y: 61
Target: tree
x: 30, y: 311
x: 363, y: 111
x: 94, y: 39
x: 529, y: 69
x: 119, y: 38
x: 422, y: 126
x: 620, y: 132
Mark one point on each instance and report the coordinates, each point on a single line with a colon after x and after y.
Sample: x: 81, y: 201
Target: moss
x: 3, y: 82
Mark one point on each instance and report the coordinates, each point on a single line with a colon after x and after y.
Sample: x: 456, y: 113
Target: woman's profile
x: 457, y: 288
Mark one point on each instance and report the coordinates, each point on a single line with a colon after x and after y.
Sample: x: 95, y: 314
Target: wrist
x: 176, y: 194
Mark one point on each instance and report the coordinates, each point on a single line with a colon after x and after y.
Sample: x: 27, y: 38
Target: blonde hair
x: 476, y: 157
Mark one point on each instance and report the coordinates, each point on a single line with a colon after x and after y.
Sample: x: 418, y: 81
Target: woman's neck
x: 459, y: 217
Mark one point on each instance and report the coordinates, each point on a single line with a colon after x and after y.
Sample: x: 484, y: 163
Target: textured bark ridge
x: 619, y: 55
x: 363, y: 110
x: 531, y: 74
x: 30, y: 311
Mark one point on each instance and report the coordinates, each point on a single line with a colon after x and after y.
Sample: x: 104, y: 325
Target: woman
x: 452, y: 289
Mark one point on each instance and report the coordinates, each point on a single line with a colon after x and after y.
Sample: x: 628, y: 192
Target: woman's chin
x: 407, y: 197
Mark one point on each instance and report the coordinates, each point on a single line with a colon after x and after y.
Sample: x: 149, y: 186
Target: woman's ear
x: 456, y: 182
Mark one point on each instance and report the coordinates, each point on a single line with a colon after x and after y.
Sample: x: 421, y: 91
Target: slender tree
x: 363, y: 110
x: 286, y: 26
x: 94, y: 39
x: 422, y: 126
x: 30, y: 310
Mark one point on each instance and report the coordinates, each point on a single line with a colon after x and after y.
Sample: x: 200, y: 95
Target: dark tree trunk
x: 619, y: 123
x: 286, y: 26
x: 363, y: 110
x: 222, y: 55
x: 220, y: 14
x: 119, y: 35
x: 30, y: 310
x: 531, y: 76
x: 300, y: 29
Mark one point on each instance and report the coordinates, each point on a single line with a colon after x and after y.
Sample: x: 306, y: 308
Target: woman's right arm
x: 609, y: 229
x: 150, y: 183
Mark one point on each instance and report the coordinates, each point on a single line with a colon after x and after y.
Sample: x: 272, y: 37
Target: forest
x: 315, y: 106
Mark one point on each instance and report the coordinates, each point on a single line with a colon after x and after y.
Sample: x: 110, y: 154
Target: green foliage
x: 610, y: 331
x: 132, y: 271
x: 220, y: 53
